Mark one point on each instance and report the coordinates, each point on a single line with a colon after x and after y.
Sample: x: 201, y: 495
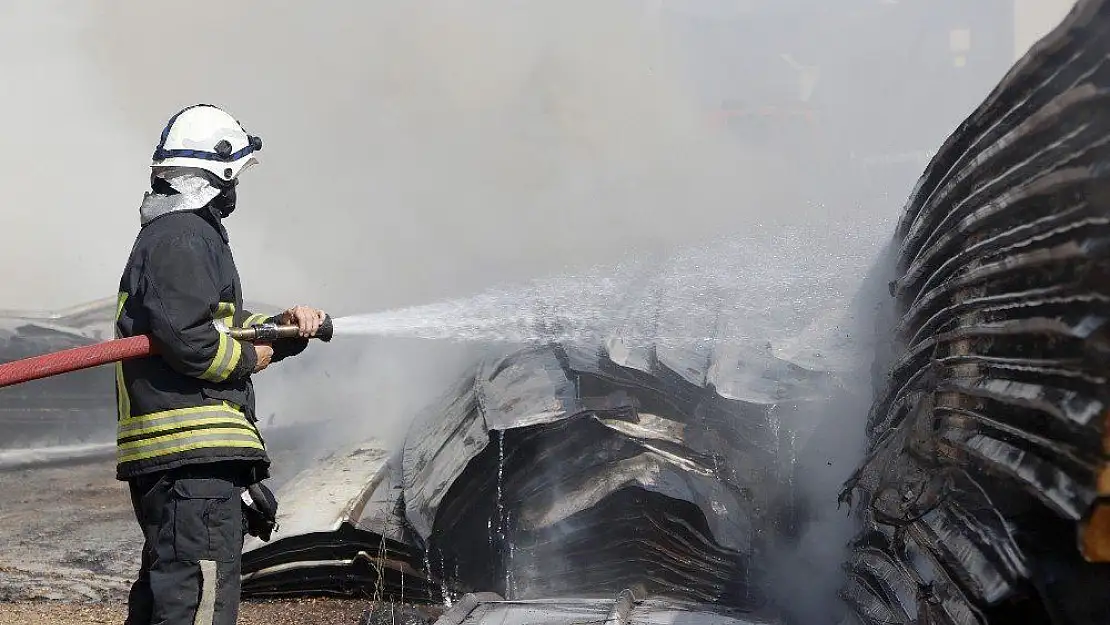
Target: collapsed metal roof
x: 621, y: 609
x: 585, y: 467
x: 558, y: 471
x: 340, y: 532
x: 549, y: 446
x: 983, y: 496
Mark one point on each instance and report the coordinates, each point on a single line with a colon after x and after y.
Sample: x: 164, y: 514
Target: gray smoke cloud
x: 419, y: 151
x: 422, y: 151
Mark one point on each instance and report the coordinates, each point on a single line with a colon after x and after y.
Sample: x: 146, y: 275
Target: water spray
x: 742, y: 289
x: 130, y: 348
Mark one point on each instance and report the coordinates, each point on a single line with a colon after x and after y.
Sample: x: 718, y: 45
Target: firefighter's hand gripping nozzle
x: 269, y: 332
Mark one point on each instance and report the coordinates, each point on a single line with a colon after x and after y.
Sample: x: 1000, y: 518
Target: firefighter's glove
x: 259, y: 510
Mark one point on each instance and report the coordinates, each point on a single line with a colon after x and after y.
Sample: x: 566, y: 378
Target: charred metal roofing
x: 987, y: 442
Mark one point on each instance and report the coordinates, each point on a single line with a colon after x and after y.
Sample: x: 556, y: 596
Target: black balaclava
x: 224, y: 203
x: 161, y: 186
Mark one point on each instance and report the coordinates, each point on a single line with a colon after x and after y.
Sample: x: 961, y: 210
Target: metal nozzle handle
x: 268, y: 332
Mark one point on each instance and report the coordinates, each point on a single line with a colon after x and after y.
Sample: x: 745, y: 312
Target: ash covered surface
x: 289, y: 612
x: 66, y: 533
x: 69, y: 548
x: 571, y: 474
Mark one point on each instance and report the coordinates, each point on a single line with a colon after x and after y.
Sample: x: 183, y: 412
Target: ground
x: 306, y: 612
x: 69, y: 547
x: 66, y: 533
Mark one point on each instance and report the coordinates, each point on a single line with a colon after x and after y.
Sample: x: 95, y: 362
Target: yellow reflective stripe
x: 231, y: 433
x: 254, y: 320
x: 121, y: 298
x: 228, y: 350
x: 173, y: 425
x: 210, y: 426
x: 228, y: 353
x: 225, y: 310
x: 236, y: 355
x: 123, y: 400
x: 214, y: 369
x: 176, y: 412
x: 167, y: 446
x: 141, y: 455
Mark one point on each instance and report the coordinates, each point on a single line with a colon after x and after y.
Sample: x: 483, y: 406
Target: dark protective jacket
x: 193, y: 402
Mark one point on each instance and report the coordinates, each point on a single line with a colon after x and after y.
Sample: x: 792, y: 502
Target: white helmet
x: 206, y: 137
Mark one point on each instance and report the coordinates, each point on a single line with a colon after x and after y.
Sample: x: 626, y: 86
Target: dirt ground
x: 66, y: 533
x: 69, y: 547
x: 305, y: 612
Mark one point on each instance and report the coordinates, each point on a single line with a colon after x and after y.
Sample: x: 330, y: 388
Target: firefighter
x: 188, y: 443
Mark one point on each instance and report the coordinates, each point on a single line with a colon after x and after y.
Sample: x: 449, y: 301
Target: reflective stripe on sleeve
x: 228, y: 353
x: 255, y: 320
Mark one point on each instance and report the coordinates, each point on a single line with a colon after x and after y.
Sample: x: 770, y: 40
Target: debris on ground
x: 284, y: 612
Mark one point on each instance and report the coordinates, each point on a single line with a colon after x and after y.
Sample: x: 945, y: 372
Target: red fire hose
x: 129, y: 348
x: 74, y: 359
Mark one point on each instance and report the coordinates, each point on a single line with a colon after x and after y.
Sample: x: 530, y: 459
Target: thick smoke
x: 416, y: 151
x: 805, y: 570
x: 420, y: 151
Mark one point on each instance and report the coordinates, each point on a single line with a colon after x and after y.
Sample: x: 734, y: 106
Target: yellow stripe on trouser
x: 123, y: 401
x: 206, y: 607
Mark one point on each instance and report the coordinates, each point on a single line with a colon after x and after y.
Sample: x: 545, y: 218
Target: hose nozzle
x: 269, y: 332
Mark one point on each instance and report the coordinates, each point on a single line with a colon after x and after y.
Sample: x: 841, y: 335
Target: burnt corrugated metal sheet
x: 982, y: 496
x: 556, y: 471
x: 620, y: 609
x: 560, y: 470
x: 339, y: 532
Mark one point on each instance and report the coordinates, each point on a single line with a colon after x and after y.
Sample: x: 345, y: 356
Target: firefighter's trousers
x: 192, y: 523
